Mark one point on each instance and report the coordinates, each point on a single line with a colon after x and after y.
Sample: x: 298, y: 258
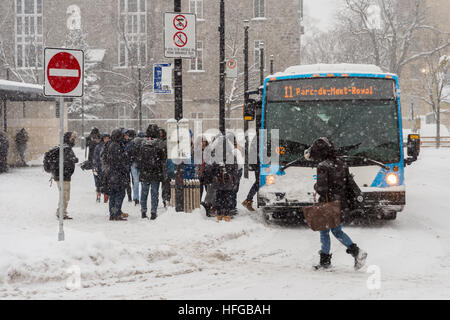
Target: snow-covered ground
x: 188, y: 256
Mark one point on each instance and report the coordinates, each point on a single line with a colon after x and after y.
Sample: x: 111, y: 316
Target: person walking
x: 152, y: 158
x: 4, y: 146
x: 128, y: 136
x: 165, y: 186
x: 21, y: 145
x: 69, y: 168
x: 248, y: 202
x: 117, y: 175
x: 333, y: 176
x: 238, y: 155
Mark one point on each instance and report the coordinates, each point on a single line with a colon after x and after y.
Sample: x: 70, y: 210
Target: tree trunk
x: 438, y: 126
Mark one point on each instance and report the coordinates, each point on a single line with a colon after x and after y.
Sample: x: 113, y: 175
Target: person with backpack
x: 224, y: 175
x: 132, y: 149
x: 152, y: 157
x: 118, y: 175
x: 21, y: 145
x: 51, y: 165
x: 4, y: 146
x: 333, y: 179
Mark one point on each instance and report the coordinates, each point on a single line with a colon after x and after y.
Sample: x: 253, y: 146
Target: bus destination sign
x: 308, y: 89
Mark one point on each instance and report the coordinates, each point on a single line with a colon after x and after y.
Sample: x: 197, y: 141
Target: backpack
x: 150, y: 160
x: 51, y: 160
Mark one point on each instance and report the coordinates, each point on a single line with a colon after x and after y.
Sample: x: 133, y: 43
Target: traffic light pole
x: 178, y: 86
x: 246, y: 96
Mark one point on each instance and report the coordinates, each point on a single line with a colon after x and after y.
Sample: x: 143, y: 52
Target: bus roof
x: 345, y: 68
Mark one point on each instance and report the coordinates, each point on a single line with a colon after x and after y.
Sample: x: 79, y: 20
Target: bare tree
x: 435, y: 82
x: 391, y: 45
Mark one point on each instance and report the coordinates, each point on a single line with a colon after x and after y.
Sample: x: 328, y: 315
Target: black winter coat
x: 157, y: 172
x: 332, y: 181
x: 117, y: 163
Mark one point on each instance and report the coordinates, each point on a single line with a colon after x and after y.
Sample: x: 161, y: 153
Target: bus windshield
x: 365, y: 128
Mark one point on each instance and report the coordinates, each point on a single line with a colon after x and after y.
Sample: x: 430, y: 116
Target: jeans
x: 66, y: 197
x: 135, y: 180
x: 154, y: 195
x: 235, y: 191
x: 116, y: 197
x: 338, y: 233
x: 255, y: 187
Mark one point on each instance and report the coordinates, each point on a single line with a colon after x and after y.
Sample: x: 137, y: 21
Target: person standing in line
x: 133, y: 150
x: 128, y: 136
x: 97, y: 165
x: 165, y: 187
x: 4, y: 146
x: 21, y: 146
x: 237, y: 152
x: 118, y: 175
x: 69, y: 168
x: 333, y: 176
x: 152, y: 158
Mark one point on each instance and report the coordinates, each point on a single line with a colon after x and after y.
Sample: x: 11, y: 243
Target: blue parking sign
x: 162, y: 78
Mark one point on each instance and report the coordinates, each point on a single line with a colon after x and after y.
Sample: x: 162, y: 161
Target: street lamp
x: 261, y: 69
x: 272, y: 58
x: 246, y: 27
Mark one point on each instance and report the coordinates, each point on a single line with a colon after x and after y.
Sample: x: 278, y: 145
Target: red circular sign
x: 180, y: 39
x: 180, y: 22
x: 63, y: 72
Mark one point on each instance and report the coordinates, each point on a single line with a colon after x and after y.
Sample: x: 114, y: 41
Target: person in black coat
x: 165, y: 188
x: 69, y: 168
x: 333, y: 177
x: 152, y: 157
x: 4, y: 146
x: 98, y: 167
x: 21, y: 145
x: 118, y: 176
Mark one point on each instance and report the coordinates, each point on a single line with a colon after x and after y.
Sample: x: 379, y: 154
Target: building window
x: 132, y: 48
x: 196, y: 115
x: 259, y: 8
x: 28, y: 32
x: 197, y: 63
x: 258, y: 45
x: 196, y: 6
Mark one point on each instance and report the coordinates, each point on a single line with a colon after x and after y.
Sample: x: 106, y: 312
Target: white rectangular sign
x: 231, y: 68
x: 63, y: 72
x: 180, y: 35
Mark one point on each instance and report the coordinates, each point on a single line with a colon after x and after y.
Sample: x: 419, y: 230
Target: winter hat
x: 117, y: 135
x: 152, y: 131
x: 321, y: 149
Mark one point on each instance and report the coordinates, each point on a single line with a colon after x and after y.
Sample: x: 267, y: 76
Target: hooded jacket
x: 118, y: 162
x: 332, y: 174
x: 69, y: 159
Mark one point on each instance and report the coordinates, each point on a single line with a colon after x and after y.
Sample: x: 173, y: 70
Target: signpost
x: 64, y: 77
x: 162, y: 78
x: 180, y: 35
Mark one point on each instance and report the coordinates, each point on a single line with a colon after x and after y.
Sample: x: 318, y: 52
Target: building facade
x: 129, y: 36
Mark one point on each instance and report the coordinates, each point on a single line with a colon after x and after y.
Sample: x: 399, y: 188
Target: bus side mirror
x: 413, y: 148
x: 250, y: 109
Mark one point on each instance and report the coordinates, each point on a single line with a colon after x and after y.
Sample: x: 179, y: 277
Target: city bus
x: 358, y: 108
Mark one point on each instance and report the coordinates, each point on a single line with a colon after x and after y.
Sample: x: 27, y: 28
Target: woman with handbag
x: 332, y: 178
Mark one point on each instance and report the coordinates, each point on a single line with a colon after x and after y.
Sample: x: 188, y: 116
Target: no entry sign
x: 179, y: 35
x: 63, y: 72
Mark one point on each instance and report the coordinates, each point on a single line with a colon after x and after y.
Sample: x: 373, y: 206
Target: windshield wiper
x: 290, y: 164
x: 346, y: 149
x: 365, y: 159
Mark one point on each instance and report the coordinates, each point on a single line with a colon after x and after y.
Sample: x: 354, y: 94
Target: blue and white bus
x: 358, y: 108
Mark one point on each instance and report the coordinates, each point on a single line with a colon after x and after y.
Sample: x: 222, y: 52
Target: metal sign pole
x: 61, y: 169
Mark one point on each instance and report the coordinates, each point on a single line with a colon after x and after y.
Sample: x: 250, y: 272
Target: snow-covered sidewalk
x: 188, y: 256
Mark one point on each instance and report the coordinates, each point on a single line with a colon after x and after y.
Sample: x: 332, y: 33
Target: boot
x: 136, y: 202
x: 359, y: 255
x: 124, y: 215
x: 227, y: 218
x: 105, y: 198
x: 144, y: 215
x: 153, y: 216
x: 207, y: 208
x: 325, y: 261
x: 248, y: 204
x: 99, y: 195
x: 219, y: 217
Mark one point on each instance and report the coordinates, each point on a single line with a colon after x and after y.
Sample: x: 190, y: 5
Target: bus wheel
x: 392, y: 215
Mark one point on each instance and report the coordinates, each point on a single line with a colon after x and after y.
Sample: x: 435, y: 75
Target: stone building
x: 129, y: 36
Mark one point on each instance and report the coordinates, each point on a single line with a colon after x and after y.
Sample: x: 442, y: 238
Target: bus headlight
x: 392, y: 179
x: 270, y: 179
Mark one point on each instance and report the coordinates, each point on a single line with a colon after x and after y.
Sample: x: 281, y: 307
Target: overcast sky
x: 322, y: 10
